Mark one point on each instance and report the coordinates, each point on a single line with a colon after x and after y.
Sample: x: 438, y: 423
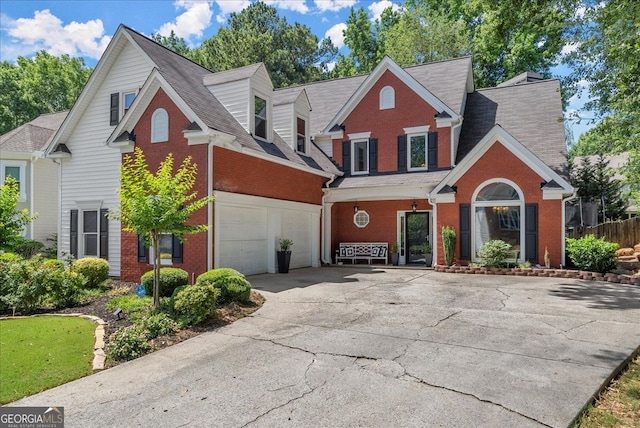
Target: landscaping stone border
x: 552, y: 273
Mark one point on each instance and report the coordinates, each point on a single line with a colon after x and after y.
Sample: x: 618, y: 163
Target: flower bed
x: 549, y: 273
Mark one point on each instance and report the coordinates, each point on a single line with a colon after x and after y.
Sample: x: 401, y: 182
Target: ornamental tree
x: 155, y: 204
x: 12, y: 220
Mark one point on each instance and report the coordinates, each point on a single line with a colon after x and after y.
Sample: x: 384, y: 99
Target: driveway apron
x: 378, y: 347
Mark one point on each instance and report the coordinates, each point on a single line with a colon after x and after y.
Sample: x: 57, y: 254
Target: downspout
x: 323, y: 259
x: 31, y: 196
x: 59, y: 221
x: 209, y: 205
x: 435, y: 229
x: 563, y: 216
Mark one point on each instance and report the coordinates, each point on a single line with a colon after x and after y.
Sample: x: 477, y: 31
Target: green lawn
x: 42, y: 352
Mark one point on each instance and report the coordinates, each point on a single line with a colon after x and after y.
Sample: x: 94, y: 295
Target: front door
x: 417, y: 236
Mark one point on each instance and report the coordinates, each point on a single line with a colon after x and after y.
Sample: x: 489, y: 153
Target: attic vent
x: 387, y: 98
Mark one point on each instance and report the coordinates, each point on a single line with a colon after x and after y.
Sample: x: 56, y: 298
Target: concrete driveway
x: 382, y: 347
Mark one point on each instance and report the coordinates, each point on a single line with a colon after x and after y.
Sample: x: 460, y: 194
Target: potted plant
x: 395, y: 255
x: 284, y: 255
x: 428, y: 254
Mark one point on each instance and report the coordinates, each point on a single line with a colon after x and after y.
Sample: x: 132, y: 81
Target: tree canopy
x: 42, y: 84
x: 155, y: 204
x: 292, y: 53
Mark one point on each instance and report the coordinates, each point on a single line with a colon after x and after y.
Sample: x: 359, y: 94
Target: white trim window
x: 160, y: 126
x: 361, y: 219
x: 260, y: 117
x: 301, y: 135
x: 360, y: 157
x: 498, y: 212
x: 166, y: 250
x: 127, y: 100
x: 417, y: 148
x: 17, y: 170
x: 387, y: 98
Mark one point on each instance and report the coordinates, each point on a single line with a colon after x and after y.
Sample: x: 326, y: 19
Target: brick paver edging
x: 550, y: 273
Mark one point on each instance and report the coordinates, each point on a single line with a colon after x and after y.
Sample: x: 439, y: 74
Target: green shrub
x: 233, y: 285
x: 494, y: 253
x: 127, y: 344
x: 195, y: 303
x: 95, y: 269
x: 170, y: 279
x: 158, y: 324
x: 28, y: 248
x: 65, y: 287
x: 591, y: 254
x: 448, y: 244
x: 8, y: 257
x: 54, y: 263
x: 133, y: 306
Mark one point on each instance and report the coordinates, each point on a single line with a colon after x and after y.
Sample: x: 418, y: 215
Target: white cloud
x: 229, y: 6
x: 46, y: 31
x: 294, y: 5
x: 569, y: 48
x: 333, y: 5
x: 336, y: 35
x: 331, y: 65
x: 192, y: 22
x: 581, y: 96
x: 376, y: 8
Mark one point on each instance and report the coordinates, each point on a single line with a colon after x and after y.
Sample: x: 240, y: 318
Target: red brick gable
x: 498, y: 162
x: 386, y: 125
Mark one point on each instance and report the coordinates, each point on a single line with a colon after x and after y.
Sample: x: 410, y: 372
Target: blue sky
x: 84, y: 28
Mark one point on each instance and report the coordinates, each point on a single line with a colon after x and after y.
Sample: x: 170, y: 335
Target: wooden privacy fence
x: 626, y: 233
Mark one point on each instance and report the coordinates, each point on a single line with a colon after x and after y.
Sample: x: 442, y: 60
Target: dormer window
x: 127, y: 100
x: 387, y: 98
x: 159, y: 126
x: 260, y: 120
x: 301, y: 140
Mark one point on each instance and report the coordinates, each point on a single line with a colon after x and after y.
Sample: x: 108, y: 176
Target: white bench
x: 362, y: 251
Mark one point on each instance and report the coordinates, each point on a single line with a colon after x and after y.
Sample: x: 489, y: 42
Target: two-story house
x: 390, y: 156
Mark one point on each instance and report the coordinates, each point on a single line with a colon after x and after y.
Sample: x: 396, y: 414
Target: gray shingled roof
x: 428, y: 178
x: 231, y: 75
x: 530, y: 112
x: 32, y: 136
x: 186, y: 78
x: 446, y: 80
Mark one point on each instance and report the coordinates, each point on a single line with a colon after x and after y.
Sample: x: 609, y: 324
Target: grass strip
x: 41, y: 352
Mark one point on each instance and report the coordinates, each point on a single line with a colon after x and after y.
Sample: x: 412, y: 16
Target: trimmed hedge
x: 589, y: 253
x: 95, y: 269
x: 170, y: 279
x: 233, y: 285
x: 195, y: 303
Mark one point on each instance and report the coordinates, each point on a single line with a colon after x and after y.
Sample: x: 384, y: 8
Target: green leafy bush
x: 591, y: 254
x: 494, y: 253
x: 233, y: 285
x: 28, y: 248
x: 449, y: 244
x: 195, y: 303
x: 158, y: 324
x: 95, y: 269
x: 133, y: 306
x: 8, y: 257
x: 54, y: 263
x: 127, y: 344
x: 170, y: 279
x: 65, y: 287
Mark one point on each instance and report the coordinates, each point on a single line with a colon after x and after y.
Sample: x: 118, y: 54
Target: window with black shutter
x: 346, y: 158
x: 402, y: 153
x: 531, y: 232
x: 432, y: 151
x: 373, y: 155
x: 465, y: 231
x: 104, y: 234
x: 114, y: 109
x: 73, y: 233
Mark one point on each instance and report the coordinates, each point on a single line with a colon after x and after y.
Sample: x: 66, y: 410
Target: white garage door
x: 297, y: 227
x: 243, y: 239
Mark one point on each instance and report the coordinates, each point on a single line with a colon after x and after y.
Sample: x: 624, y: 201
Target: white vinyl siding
x: 92, y: 171
x: 283, y: 123
x: 325, y: 144
x: 235, y: 97
x: 45, y: 199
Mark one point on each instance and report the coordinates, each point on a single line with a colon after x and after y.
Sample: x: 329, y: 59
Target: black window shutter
x: 465, y: 231
x: 432, y: 150
x: 73, y: 233
x: 114, y: 109
x: 176, y: 250
x: 142, y: 250
x: 104, y: 234
x: 402, y: 153
x: 531, y: 233
x: 346, y: 158
x: 373, y: 155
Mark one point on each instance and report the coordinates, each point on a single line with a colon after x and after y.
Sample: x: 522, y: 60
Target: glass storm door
x: 417, y: 236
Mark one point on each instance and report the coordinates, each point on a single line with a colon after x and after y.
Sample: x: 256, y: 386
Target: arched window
x: 498, y: 208
x: 387, y: 98
x: 159, y: 126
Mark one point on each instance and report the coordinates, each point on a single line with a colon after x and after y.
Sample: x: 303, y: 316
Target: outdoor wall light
x: 355, y: 207
x: 414, y: 205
